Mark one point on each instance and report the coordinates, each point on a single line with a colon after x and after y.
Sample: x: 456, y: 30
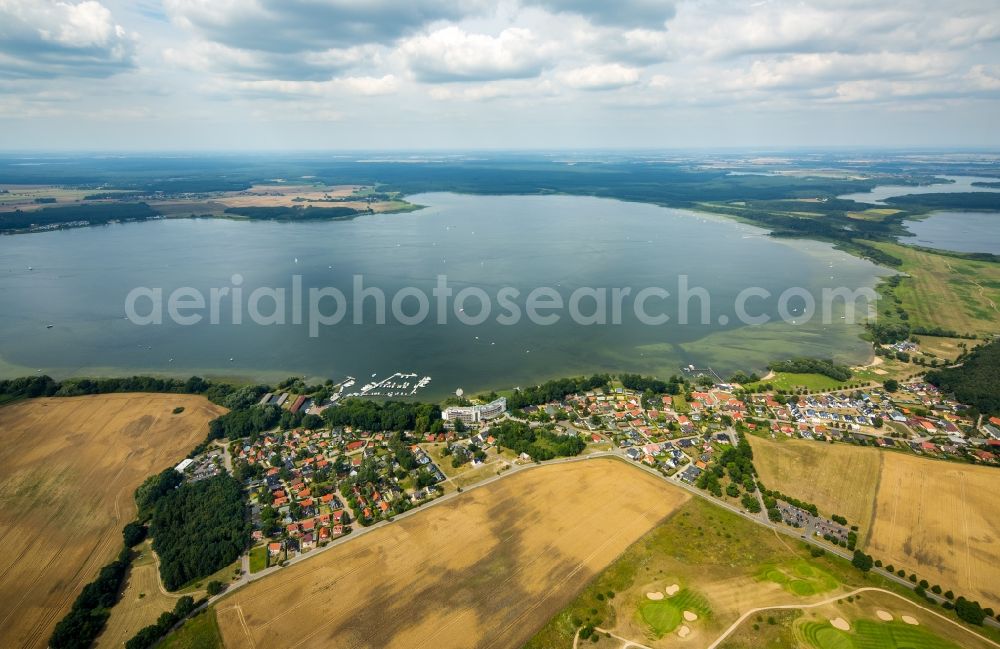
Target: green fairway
x: 665, y: 615
x: 870, y: 634
x: 799, y: 578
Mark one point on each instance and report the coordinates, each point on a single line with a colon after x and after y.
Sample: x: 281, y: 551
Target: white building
x: 477, y: 413
x: 183, y: 465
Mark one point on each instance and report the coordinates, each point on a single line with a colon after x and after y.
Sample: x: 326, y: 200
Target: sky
x: 478, y: 74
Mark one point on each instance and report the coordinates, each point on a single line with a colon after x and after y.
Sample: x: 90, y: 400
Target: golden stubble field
x: 142, y: 601
x: 486, y: 569
x: 942, y: 521
x: 837, y: 478
x: 70, y: 466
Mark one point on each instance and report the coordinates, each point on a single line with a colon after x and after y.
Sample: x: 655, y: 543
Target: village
x: 308, y: 487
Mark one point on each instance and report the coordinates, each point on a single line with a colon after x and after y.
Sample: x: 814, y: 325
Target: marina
x: 398, y: 384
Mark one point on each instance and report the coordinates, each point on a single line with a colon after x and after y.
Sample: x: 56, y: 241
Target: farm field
x: 942, y: 521
x: 141, y: 603
x: 71, y: 465
x: 937, y: 519
x: 837, y: 478
x: 949, y: 292
x: 487, y: 568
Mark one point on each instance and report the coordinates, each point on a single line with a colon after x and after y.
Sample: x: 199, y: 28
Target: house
x: 274, y: 549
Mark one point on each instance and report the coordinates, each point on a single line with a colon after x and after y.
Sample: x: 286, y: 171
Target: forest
x: 976, y: 381
x: 96, y: 214
x: 293, y: 213
x: 389, y: 415
x: 198, y: 529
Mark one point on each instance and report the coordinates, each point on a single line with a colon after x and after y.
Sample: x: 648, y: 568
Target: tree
x: 312, y: 422
x: 214, y: 587
x: 891, y: 385
x: 862, y: 561
x: 134, y: 533
x: 969, y: 611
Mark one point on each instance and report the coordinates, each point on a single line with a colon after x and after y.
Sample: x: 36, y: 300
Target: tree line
x: 825, y: 367
x: 555, y: 390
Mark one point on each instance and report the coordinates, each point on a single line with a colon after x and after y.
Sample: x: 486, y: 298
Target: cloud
x: 286, y: 89
x: 45, y: 39
x: 208, y: 56
x: 452, y: 54
x: 648, y: 14
x: 301, y: 25
x: 601, y: 77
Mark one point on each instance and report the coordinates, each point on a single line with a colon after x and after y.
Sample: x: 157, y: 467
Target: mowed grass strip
x: 487, y: 568
x: 837, y: 478
x: 869, y: 634
x: 70, y: 467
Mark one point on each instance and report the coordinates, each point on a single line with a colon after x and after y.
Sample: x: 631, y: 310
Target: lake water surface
x: 957, y: 231
x: 958, y: 184
x: 79, y: 279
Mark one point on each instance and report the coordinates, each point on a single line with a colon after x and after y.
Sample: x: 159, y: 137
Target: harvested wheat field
x: 837, y: 478
x: 70, y: 466
x: 486, y: 569
x: 142, y: 602
x: 942, y: 521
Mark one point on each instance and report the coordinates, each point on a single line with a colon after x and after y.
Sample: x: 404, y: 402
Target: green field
x: 665, y: 615
x: 258, y: 559
x: 200, y: 632
x: 869, y: 634
x: 789, y: 382
x: 799, y: 578
x: 953, y: 293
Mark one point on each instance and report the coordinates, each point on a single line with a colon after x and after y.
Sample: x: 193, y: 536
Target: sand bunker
x: 910, y: 620
x: 689, y: 616
x: 885, y: 616
x: 683, y: 632
x: 840, y: 623
x: 671, y: 590
x: 654, y: 596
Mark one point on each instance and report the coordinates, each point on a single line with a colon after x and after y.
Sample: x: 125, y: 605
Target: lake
x: 79, y: 279
x: 957, y: 231
x: 958, y: 184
